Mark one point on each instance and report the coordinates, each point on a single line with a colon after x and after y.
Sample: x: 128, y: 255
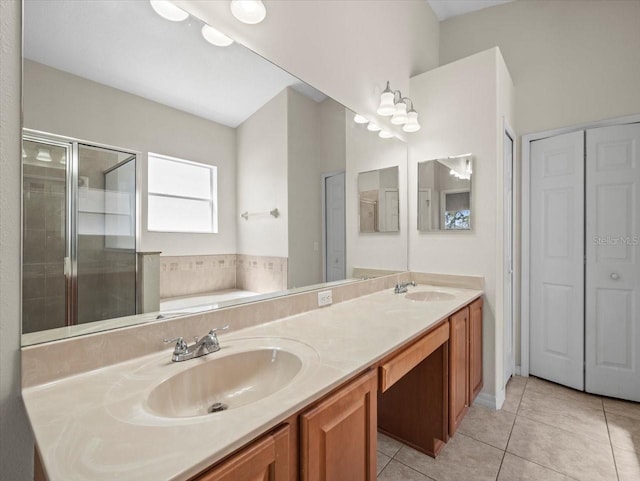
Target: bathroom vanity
x: 380, y: 361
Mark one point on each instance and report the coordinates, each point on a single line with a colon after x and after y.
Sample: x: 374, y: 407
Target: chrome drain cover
x: 217, y: 407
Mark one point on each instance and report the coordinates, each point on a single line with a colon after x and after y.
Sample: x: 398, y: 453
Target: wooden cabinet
x: 267, y: 459
x: 458, y: 368
x: 475, y: 349
x: 338, y: 436
x: 412, y: 402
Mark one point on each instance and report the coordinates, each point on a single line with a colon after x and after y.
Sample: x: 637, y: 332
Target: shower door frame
x: 70, y: 261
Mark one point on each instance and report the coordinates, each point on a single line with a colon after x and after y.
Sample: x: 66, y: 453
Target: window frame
x: 213, y: 200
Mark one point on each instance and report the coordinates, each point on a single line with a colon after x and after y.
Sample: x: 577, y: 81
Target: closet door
x: 613, y: 268
x: 557, y: 259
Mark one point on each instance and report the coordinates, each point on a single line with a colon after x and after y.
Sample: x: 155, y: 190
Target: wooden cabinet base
x: 414, y: 410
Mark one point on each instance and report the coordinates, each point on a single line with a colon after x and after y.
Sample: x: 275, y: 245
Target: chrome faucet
x: 203, y: 345
x: 402, y: 287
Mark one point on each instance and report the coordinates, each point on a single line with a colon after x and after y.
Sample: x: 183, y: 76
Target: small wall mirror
x: 379, y: 200
x: 444, y: 194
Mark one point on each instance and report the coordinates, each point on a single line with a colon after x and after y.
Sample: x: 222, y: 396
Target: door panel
x: 335, y: 255
x: 612, y: 272
x: 557, y: 259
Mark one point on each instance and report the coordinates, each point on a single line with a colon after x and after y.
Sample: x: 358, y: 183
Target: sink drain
x: 217, y: 407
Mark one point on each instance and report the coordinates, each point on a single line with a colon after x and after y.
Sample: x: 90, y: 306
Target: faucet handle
x: 180, y: 344
x: 216, y: 329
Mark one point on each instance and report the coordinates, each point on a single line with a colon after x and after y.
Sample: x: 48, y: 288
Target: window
x: 182, y: 195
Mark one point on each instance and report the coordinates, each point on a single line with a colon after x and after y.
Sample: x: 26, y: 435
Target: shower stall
x: 79, y: 232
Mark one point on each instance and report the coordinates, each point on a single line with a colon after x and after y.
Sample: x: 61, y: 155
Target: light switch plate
x: 325, y: 298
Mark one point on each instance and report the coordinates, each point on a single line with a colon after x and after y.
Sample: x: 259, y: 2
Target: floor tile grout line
x: 543, y: 466
x: 383, y: 467
x: 613, y: 453
x: 566, y: 430
x: 515, y: 418
x: 414, y: 469
x: 481, y: 441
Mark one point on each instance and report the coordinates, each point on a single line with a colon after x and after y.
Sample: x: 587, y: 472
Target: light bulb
x: 412, y: 124
x: 387, y: 107
x: 168, y: 10
x: 359, y: 119
x: 215, y: 37
x: 249, y: 11
x: 373, y: 127
x: 44, y: 155
x: 385, y: 134
x: 400, y: 114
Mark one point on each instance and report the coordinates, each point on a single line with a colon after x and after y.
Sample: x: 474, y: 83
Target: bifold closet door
x: 557, y: 259
x: 613, y: 269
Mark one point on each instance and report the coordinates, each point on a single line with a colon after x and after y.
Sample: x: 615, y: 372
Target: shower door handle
x: 67, y: 266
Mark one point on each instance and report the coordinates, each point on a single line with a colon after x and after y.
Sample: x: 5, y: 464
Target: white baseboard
x: 490, y: 401
x: 518, y: 371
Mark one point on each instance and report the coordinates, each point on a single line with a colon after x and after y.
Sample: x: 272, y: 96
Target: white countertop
x: 95, y: 426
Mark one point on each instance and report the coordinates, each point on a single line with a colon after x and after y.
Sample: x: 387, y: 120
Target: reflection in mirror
x: 444, y: 194
x: 143, y: 146
x: 379, y: 202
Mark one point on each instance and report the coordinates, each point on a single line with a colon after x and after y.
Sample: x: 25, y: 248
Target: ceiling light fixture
x: 168, y: 10
x: 373, y: 127
x: 215, y: 36
x: 359, y: 119
x: 249, y: 11
x: 44, y: 155
x: 393, y: 103
x: 385, y: 134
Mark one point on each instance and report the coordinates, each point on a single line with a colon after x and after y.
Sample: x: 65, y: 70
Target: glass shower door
x: 44, y: 230
x: 105, y: 251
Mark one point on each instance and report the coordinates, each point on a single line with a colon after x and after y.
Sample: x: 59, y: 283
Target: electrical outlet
x: 325, y: 298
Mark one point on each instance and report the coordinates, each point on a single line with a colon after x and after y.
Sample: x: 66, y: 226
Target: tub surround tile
x: 461, y: 459
x: 517, y: 469
x: 571, y: 454
x: 490, y: 426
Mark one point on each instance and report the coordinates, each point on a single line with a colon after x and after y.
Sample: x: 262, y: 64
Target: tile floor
x: 545, y: 432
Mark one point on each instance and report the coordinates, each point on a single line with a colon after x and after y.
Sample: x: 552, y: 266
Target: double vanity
x: 301, y: 397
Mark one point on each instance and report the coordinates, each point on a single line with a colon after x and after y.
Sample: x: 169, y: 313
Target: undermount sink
x: 430, y: 296
x: 226, y: 382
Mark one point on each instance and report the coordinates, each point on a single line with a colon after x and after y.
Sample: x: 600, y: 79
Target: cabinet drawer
x: 394, y: 369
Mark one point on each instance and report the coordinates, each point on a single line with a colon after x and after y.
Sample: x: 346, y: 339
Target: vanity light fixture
x: 359, y: 119
x: 373, y: 127
x: 215, y: 36
x: 168, y: 10
x: 393, y: 103
x: 248, y: 11
x: 43, y: 155
x: 385, y: 134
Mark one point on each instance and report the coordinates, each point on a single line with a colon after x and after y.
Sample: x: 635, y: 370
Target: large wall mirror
x: 445, y: 195
x: 164, y: 175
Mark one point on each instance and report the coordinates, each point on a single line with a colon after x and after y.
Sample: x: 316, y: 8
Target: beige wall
x: 60, y: 103
x: 466, y: 101
x: 262, y: 180
x: 572, y: 61
x: 16, y: 440
x: 347, y: 49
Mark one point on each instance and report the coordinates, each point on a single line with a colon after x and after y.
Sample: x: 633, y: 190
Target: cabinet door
x: 264, y: 460
x: 339, y: 435
x: 475, y: 349
x: 458, y: 368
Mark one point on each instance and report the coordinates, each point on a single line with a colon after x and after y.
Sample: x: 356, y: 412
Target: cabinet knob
x: 615, y: 276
